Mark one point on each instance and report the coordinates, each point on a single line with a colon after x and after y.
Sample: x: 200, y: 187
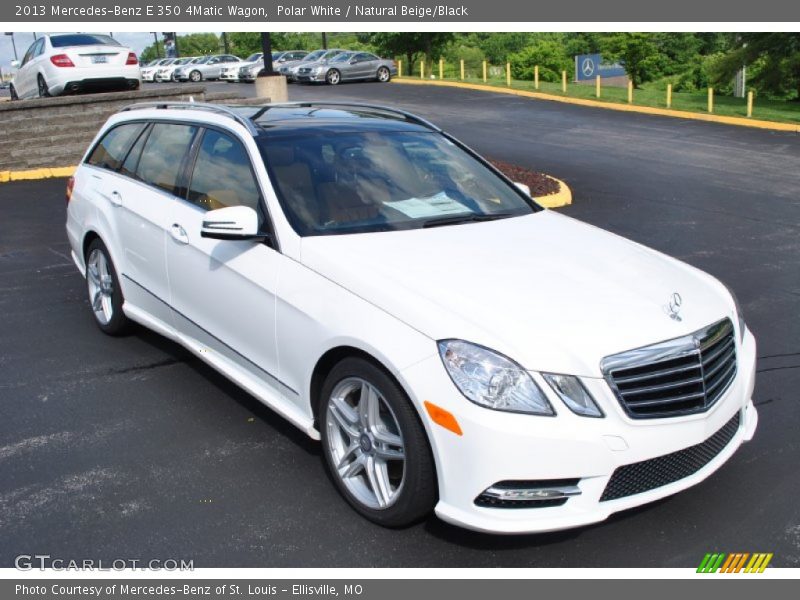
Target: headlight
x: 573, y: 394
x: 739, y: 315
x: 490, y: 379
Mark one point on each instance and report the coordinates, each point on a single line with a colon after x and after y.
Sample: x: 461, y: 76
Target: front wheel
x: 105, y: 294
x: 374, y: 445
x: 195, y: 76
x: 383, y: 75
x: 333, y: 77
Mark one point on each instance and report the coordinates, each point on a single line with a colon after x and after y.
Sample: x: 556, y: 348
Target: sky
x: 137, y: 41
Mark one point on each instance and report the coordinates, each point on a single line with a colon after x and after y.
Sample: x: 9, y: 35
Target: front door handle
x: 116, y: 198
x: 179, y: 234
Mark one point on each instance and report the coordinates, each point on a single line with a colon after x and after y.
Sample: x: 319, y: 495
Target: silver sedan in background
x: 348, y: 66
x: 280, y: 60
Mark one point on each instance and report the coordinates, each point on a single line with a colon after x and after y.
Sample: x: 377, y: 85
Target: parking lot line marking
x: 30, y: 174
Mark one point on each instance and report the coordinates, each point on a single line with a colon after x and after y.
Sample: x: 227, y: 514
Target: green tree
x: 637, y: 52
x: 411, y: 44
x: 549, y: 54
x: 777, y: 56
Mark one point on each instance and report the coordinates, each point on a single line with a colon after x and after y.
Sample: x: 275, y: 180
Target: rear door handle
x: 179, y: 234
x: 116, y: 198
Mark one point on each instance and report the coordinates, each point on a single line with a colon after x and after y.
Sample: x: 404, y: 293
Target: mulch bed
x: 540, y: 184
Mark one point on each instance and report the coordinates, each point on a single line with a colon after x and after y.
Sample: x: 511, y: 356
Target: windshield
x: 255, y: 57
x: 82, y: 39
x: 154, y: 62
x: 182, y: 61
x: 381, y: 181
x: 314, y: 55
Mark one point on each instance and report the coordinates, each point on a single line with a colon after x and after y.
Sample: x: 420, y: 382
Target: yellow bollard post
x: 508, y: 74
x: 399, y: 68
x: 462, y: 69
x: 630, y: 92
x: 422, y: 69
x: 669, y: 95
x: 536, y: 77
x: 441, y: 68
x: 564, y: 81
x: 597, y: 86
x: 711, y: 100
x: 750, y: 103
x: 484, y: 71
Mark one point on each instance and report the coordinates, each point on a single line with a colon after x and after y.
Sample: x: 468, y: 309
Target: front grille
x: 304, y: 70
x: 662, y: 470
x: 681, y: 376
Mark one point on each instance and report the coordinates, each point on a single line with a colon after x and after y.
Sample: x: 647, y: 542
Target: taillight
x: 132, y: 60
x: 61, y: 60
x: 70, y: 185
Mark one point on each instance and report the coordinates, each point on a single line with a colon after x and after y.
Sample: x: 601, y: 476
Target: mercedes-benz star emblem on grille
x: 675, y: 303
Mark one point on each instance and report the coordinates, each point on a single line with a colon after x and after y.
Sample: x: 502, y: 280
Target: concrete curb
x: 664, y: 112
x: 562, y: 197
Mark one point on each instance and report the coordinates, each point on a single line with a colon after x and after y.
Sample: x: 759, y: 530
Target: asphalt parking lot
x: 132, y: 448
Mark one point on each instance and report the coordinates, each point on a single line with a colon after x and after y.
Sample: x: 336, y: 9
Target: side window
x: 29, y: 54
x: 163, y: 155
x: 37, y: 51
x: 222, y: 174
x: 132, y: 160
x: 112, y: 148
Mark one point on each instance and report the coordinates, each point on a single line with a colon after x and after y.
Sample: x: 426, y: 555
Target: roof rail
x: 310, y: 104
x: 208, y: 106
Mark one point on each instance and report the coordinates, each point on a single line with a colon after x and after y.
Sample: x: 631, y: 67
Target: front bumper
x: 497, y: 446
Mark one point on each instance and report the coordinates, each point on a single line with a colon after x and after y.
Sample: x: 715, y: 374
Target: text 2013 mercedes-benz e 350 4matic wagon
x: 455, y: 346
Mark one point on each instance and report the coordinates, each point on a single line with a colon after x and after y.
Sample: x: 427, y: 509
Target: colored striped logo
x: 739, y: 562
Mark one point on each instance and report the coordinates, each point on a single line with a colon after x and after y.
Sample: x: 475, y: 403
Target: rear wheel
x: 383, y: 75
x: 44, y: 91
x: 105, y: 294
x: 333, y: 77
x: 195, y: 76
x: 374, y: 445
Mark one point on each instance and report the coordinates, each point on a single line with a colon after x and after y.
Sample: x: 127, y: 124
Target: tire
x: 383, y: 75
x: 105, y: 294
x: 380, y: 460
x: 195, y: 76
x: 44, y: 91
x: 13, y: 92
x: 333, y: 77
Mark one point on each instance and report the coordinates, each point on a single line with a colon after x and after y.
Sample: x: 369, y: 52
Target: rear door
x: 25, y: 79
x: 149, y: 181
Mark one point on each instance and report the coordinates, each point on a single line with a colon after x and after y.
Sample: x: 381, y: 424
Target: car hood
x: 550, y: 292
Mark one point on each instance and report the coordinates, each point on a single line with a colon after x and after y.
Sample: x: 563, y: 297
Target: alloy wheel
x: 101, y: 286
x: 383, y: 74
x: 365, y: 443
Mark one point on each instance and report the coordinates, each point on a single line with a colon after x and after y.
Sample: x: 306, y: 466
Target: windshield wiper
x: 458, y: 219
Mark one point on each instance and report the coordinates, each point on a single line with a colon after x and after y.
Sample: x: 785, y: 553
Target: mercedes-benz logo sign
x: 675, y: 303
x: 587, y: 67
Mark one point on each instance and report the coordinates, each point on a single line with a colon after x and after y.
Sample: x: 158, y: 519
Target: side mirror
x: 353, y: 61
x: 231, y: 223
x: 15, y: 64
x: 523, y: 187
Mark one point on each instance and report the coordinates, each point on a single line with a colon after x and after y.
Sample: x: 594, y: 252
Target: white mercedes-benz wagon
x: 455, y: 347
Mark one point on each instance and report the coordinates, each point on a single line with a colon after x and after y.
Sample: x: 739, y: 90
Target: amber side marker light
x: 443, y: 418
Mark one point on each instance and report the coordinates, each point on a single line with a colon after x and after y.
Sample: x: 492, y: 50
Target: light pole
x: 13, y: 44
x: 155, y: 38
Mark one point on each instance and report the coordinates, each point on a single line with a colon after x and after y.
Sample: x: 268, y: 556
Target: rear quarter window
x: 163, y: 155
x: 110, y: 151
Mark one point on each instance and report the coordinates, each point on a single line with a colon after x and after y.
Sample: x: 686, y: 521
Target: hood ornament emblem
x: 674, y: 307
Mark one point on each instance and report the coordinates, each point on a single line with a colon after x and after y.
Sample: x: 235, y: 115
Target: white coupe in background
x: 455, y: 347
x: 75, y: 62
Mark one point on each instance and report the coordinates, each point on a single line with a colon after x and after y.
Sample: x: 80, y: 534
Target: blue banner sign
x: 589, y: 66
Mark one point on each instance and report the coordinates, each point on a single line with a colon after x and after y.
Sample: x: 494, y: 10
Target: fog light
x: 529, y: 494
